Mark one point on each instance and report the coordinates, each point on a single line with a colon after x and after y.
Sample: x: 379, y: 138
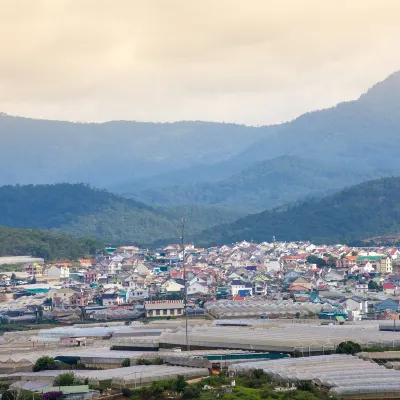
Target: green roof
x: 339, y: 318
x: 369, y: 258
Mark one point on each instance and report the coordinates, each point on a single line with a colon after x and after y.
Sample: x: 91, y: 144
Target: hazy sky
x: 247, y: 61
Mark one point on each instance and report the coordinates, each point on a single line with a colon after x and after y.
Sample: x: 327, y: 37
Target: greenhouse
x: 342, y: 374
x: 136, y: 376
x: 256, y: 308
x: 302, y: 339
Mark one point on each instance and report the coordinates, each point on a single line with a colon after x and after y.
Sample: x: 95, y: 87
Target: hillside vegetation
x: 363, y: 211
x: 80, y: 210
x: 47, y: 245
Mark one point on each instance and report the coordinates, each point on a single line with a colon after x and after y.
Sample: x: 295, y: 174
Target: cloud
x: 253, y: 61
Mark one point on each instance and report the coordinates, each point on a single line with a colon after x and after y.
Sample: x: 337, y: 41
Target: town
x: 129, y: 283
x: 187, y: 322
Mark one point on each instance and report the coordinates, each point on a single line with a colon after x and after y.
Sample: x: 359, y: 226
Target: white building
x: 58, y: 272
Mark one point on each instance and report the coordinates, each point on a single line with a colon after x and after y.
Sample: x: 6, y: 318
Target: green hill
x: 265, y: 185
x: 80, y: 210
x: 363, y: 211
x: 47, y: 245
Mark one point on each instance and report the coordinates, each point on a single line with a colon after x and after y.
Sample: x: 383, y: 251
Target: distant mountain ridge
x: 264, y: 185
x: 359, y: 212
x: 111, y: 153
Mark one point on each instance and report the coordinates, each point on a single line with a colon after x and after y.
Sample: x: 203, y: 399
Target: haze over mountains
x: 363, y: 211
x: 212, y: 173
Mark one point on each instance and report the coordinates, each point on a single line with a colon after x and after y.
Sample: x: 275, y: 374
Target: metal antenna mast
x: 184, y: 280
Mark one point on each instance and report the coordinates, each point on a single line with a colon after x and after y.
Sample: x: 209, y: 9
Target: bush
x: 306, y: 386
x: 67, y: 379
x: 44, y: 363
x: 258, y: 374
x: 52, y: 395
x: 191, y: 392
x: 126, y: 392
x: 348, y: 348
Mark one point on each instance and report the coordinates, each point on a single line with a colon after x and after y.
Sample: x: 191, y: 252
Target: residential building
x: 167, y: 308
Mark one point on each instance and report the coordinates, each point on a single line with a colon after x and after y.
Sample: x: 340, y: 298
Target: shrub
x: 126, y: 392
x: 44, y: 363
x: 258, y: 374
x: 67, y: 379
x: 348, y: 348
x: 52, y: 395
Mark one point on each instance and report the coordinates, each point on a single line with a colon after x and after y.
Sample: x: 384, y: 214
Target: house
x: 197, y: 287
x: 78, y: 299
x: 272, y: 264
x: 62, y: 297
x: 35, y: 269
x: 236, y: 286
x: 355, y: 303
x: 112, y: 299
x: 387, y: 304
x: 167, y: 308
x: 172, y: 287
x: 385, y: 265
x: 303, y: 282
x: 90, y: 276
x: 58, y: 272
x: 389, y: 288
x: 137, y: 294
x: 361, y: 287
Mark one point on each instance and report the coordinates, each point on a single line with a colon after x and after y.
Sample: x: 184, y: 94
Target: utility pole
x: 184, y: 280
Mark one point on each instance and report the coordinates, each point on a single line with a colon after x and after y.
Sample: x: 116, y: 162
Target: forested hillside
x: 265, y: 185
x: 363, y: 211
x: 47, y: 245
x: 80, y: 210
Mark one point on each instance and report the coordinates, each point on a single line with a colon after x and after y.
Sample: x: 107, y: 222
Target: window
x: 179, y: 311
x: 172, y: 311
x: 157, y: 312
x: 165, y: 312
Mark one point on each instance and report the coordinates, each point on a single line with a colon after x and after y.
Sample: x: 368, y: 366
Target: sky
x: 245, y: 61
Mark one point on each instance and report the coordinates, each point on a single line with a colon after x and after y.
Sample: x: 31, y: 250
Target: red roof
x: 388, y: 286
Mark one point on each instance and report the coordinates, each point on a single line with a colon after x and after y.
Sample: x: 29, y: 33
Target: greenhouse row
x: 238, y: 309
x: 304, y: 338
x: 342, y: 374
x: 138, y: 375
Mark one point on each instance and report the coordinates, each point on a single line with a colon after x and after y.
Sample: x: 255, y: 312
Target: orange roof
x: 85, y: 261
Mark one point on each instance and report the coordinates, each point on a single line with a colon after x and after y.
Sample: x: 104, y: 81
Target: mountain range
x: 238, y: 180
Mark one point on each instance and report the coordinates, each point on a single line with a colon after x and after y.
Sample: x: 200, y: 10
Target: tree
x: 372, y: 285
x: 298, y: 315
x: 316, y: 260
x: 348, y: 347
x: 44, y: 363
x: 67, y: 379
x: 13, y: 278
